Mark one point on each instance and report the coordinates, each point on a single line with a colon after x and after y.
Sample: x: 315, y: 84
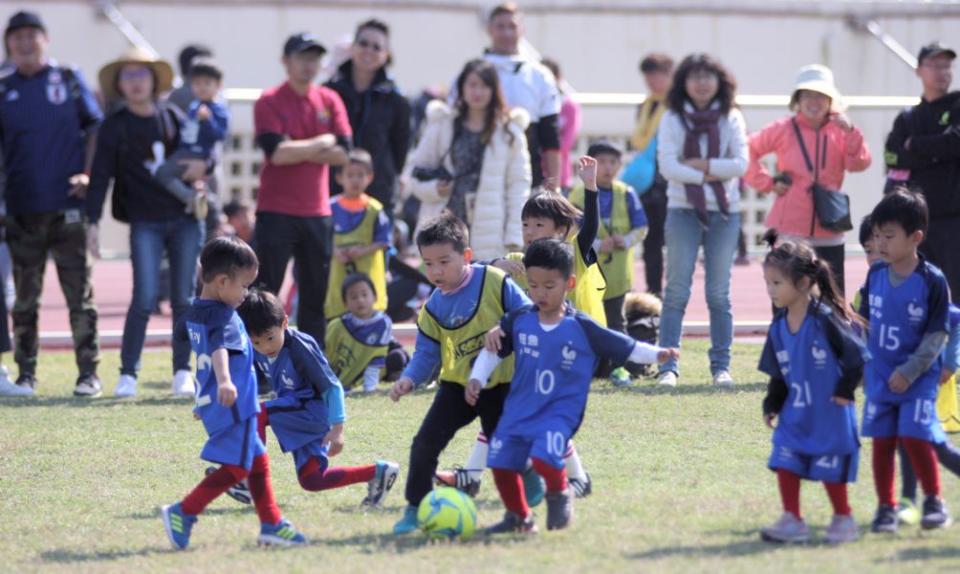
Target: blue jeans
x: 182, y: 239
x: 684, y: 236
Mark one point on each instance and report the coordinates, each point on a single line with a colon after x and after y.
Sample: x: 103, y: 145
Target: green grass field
x: 679, y: 486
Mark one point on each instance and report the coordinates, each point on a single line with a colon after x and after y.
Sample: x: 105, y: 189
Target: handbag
x: 640, y: 173
x: 831, y: 207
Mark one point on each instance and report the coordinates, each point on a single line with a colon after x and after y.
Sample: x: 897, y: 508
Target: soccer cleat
x: 239, y: 491
x: 667, y: 379
x: 513, y: 523
x: 408, y: 523
x: 126, y: 386
x: 27, y: 381
x: 620, y: 377
x: 559, y: 509
x: 935, y: 514
x: 178, y: 525
x: 722, y: 379
x: 582, y: 488
x: 8, y: 389
x: 885, y: 520
x: 907, y: 512
x: 280, y: 534
x: 843, y: 528
x: 379, y: 487
x: 184, y: 385
x: 459, y: 478
x: 533, y: 487
x: 88, y: 386
x: 787, y: 529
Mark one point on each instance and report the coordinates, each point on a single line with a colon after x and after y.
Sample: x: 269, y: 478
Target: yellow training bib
x: 372, y: 265
x: 348, y: 356
x: 617, y: 265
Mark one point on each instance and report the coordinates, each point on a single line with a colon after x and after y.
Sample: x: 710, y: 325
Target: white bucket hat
x: 817, y: 78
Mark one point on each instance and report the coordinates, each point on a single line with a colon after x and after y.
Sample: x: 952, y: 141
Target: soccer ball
x: 447, y: 513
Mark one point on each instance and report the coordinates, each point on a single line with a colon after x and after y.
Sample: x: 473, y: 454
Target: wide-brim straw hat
x: 162, y: 73
x: 817, y: 78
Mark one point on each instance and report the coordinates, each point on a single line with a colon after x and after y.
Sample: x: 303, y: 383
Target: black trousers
x: 309, y: 240
x: 834, y: 256
x: 942, y: 248
x: 655, y: 207
x: 613, y: 309
x: 448, y: 414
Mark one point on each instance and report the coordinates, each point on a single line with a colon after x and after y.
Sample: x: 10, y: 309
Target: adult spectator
x: 302, y: 129
x: 925, y: 147
x: 473, y: 160
x: 379, y: 114
x: 568, y: 124
x: 830, y: 140
x: 48, y: 121
x: 134, y: 141
x: 702, y: 152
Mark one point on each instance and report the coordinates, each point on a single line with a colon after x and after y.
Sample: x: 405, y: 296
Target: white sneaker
x: 8, y: 389
x: 667, y: 379
x: 184, y: 385
x: 722, y: 379
x: 788, y: 529
x: 842, y: 529
x: 126, y: 386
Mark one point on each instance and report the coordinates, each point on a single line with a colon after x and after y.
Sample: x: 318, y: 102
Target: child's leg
x: 556, y: 478
x: 884, y: 469
x: 211, y: 487
x: 510, y: 485
x: 315, y: 476
x: 613, y: 309
x: 263, y: 420
x: 837, y: 492
x: 261, y: 490
x: 169, y: 174
x: 477, y: 461
x: 908, y: 490
x: 924, y: 459
x: 575, y: 468
x: 949, y: 457
x: 789, y: 484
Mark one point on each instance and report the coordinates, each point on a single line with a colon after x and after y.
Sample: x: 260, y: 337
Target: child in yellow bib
x: 361, y: 234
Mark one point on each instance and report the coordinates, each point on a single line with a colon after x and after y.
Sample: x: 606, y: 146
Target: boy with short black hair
x: 226, y: 397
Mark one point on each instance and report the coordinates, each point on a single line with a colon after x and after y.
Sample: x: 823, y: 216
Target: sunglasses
x: 368, y: 44
x: 137, y: 74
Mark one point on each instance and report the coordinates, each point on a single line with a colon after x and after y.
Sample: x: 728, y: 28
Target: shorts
x: 510, y: 452
x: 915, y: 418
x: 236, y: 445
x: 316, y: 449
x: 821, y: 468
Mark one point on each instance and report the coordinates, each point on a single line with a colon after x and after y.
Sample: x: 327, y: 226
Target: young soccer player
x: 468, y: 301
x: 557, y: 349
x: 226, y: 397
x: 360, y: 342
x: 905, y: 300
x: 815, y: 361
x: 361, y: 234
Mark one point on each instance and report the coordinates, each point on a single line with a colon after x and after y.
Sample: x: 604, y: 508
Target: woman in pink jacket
x: 829, y: 137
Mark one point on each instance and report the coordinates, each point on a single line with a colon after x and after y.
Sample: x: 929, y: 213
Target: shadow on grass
x: 733, y: 550
x: 645, y: 388
x: 415, y: 541
x: 398, y: 508
x: 948, y: 553
x: 76, y: 402
x: 72, y: 556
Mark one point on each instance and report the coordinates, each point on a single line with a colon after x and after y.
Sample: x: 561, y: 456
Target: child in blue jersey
x: 226, y: 397
x: 307, y: 414
x: 905, y: 301
x: 556, y: 349
x: 815, y: 360
x: 468, y: 301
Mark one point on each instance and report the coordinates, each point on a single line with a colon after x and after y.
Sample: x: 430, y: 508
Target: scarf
x: 648, y: 120
x: 698, y: 123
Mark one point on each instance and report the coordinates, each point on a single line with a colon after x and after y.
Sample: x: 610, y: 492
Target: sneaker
x: 28, y: 381
x: 513, y: 523
x: 533, y: 487
x: 459, y: 478
x: 199, y: 206
x: 885, y: 520
x: 184, y: 385
x: 787, y: 529
x: 280, y: 534
x: 379, y: 487
x: 722, y: 379
x: 239, y: 491
x: 582, y: 488
x: 126, y: 386
x: 178, y: 525
x: 559, y: 509
x: 667, y: 379
x: 88, y: 386
x: 935, y: 514
x: 843, y: 528
x: 408, y: 523
x: 620, y: 377
x: 908, y: 513
x: 8, y: 389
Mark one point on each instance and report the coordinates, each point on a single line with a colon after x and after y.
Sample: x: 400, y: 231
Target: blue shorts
x: 915, y: 418
x: 822, y: 468
x: 316, y: 448
x: 511, y: 452
x: 237, y: 445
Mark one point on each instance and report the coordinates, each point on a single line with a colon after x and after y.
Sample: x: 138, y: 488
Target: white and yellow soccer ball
x: 447, y: 513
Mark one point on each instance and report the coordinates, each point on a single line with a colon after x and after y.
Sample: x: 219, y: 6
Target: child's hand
x: 203, y: 113
x: 196, y: 416
x: 493, y: 342
x: 606, y: 246
x: 898, y: 383
x: 335, y: 439
x: 945, y: 376
x: 444, y: 187
x: 619, y: 242
x: 768, y: 419
x: 512, y: 268
x: 841, y: 401
x: 588, y: 172
x: 667, y: 354
x: 471, y: 394
x: 226, y: 393
x: 341, y: 254
x: 400, y: 388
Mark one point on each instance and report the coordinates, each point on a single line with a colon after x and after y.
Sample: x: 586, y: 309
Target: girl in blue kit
x: 814, y: 361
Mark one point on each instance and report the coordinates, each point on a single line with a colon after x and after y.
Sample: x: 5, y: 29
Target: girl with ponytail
x: 815, y: 362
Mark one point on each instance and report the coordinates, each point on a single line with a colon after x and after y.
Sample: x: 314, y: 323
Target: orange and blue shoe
x: 178, y: 525
x: 282, y: 533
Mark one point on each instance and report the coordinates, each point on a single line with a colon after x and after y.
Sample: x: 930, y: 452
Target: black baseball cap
x: 603, y: 148
x: 302, y: 42
x: 24, y: 19
x: 935, y: 49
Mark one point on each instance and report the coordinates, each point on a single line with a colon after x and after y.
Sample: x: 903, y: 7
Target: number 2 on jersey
x: 802, y: 395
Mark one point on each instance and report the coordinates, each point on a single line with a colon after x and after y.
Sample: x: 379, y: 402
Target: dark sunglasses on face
x: 368, y: 44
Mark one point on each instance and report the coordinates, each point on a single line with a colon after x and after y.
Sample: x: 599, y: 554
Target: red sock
x: 556, y: 478
x: 789, y: 491
x: 510, y: 486
x: 837, y: 492
x: 884, y: 469
x: 212, y: 486
x: 262, y: 421
x: 262, y: 491
x: 923, y: 457
x: 315, y: 476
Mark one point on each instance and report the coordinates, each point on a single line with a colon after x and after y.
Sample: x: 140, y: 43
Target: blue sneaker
x: 178, y: 525
x: 533, y: 487
x: 408, y: 523
x: 281, y: 534
x: 379, y: 487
